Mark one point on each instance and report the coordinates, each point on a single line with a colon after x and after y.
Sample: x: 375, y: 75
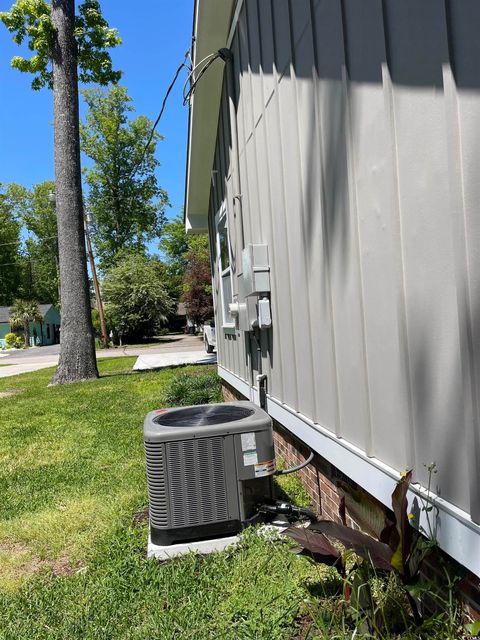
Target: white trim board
x: 240, y: 385
x: 456, y: 533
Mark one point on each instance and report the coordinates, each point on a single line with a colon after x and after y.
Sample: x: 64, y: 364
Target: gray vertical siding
x: 359, y: 130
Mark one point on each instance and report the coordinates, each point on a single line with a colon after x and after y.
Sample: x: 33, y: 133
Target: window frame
x: 221, y: 217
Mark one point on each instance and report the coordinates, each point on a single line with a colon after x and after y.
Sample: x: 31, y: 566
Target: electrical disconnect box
x: 256, y: 270
x: 252, y: 309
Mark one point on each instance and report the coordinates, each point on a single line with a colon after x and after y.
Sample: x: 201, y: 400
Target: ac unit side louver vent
x: 157, y: 492
x: 196, y: 470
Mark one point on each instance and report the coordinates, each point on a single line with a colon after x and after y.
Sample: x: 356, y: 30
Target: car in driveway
x: 209, y: 338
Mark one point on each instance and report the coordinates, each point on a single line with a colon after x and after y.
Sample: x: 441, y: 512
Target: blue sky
x: 156, y: 35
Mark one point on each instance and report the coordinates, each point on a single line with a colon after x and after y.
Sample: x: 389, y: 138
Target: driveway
x: 35, y: 358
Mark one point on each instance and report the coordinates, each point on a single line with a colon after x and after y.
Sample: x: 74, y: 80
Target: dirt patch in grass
x: 140, y: 517
x: 24, y: 564
x: 10, y: 392
x: 305, y: 624
x: 19, y: 560
x: 64, y: 567
x: 14, y: 548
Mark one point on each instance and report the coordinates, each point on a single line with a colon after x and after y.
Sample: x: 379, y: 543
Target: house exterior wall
x: 52, y: 321
x: 4, y: 329
x: 357, y: 130
x: 45, y: 336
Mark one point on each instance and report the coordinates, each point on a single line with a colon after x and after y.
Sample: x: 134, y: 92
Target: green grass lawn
x: 72, y: 553
x: 73, y: 534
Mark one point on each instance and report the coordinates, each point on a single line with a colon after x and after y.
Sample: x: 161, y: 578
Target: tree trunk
x: 77, y: 345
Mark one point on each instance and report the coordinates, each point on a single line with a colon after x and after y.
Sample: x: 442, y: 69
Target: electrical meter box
x: 256, y: 270
x: 247, y: 313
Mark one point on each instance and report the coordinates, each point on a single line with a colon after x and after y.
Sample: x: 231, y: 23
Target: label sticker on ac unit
x: 248, y: 442
x: 265, y: 468
x: 250, y: 457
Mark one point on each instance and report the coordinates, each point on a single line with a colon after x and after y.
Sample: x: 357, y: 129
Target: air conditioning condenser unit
x: 208, y: 466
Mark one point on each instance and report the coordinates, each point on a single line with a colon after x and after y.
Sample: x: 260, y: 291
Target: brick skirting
x: 323, y: 483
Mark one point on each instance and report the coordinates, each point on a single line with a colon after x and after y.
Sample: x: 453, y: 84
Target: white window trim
x: 222, y: 213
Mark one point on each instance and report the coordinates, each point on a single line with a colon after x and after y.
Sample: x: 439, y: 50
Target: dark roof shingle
x: 5, y: 311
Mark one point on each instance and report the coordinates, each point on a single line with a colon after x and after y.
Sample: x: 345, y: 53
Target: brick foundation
x: 323, y: 483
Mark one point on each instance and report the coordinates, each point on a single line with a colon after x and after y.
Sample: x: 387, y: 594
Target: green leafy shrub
x: 19, y: 342
x: 10, y: 339
x: 193, y: 388
x: 137, y: 303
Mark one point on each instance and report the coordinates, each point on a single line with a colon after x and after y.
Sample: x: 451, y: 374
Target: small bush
x: 193, y: 388
x: 19, y: 342
x: 10, y: 339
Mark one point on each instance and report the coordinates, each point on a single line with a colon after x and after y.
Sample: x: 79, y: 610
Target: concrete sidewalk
x: 147, y: 362
x: 27, y: 367
x: 43, y: 357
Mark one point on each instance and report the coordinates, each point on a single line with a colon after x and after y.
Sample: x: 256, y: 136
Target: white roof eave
x: 211, y: 29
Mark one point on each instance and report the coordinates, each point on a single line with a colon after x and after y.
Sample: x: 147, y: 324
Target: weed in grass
x: 290, y: 487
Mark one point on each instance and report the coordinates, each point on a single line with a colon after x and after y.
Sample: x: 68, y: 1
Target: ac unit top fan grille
x: 202, y: 416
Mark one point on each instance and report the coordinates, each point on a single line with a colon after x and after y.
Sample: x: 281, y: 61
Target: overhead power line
x: 162, y: 109
x: 191, y: 80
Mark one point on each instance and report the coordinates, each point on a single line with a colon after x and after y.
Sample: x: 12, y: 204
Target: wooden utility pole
x: 103, y: 326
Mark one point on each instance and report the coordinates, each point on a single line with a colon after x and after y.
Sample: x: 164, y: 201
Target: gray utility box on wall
x: 207, y: 467
x: 255, y: 269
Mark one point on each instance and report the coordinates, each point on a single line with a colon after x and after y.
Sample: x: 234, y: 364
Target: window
x: 48, y: 332
x: 225, y: 270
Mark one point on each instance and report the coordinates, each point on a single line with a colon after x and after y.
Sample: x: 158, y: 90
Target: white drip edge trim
x: 456, y: 533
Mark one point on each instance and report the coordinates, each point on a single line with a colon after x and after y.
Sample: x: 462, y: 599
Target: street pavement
x: 26, y: 360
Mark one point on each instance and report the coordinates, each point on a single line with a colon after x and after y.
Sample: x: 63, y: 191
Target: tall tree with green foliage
x: 11, y: 262
x: 67, y: 48
x: 40, y: 219
x: 127, y: 204
x: 136, y: 301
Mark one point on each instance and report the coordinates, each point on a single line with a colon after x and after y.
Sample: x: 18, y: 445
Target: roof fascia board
x: 211, y: 31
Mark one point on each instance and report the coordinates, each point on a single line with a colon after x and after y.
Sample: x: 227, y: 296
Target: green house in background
x: 41, y: 333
